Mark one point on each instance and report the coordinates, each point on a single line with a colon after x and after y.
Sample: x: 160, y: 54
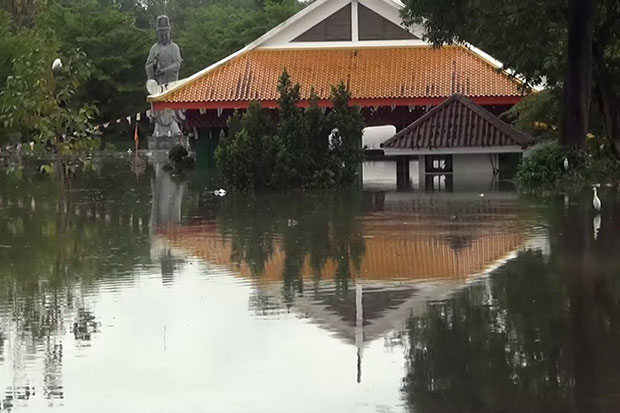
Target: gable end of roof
x: 457, y: 122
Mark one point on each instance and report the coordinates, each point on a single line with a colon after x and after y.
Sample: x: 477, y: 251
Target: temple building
x: 392, y: 73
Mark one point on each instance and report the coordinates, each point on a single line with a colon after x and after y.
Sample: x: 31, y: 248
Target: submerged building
x: 393, y: 75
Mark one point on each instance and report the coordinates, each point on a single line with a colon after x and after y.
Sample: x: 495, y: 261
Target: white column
x: 354, y: 22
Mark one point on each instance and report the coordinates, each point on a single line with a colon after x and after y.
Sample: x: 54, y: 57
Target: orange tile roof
x: 371, y: 73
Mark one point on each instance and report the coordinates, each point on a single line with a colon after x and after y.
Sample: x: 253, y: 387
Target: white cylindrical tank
x: 374, y: 136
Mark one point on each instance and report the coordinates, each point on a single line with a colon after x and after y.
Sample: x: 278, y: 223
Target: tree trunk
x: 578, y: 79
x: 607, y: 98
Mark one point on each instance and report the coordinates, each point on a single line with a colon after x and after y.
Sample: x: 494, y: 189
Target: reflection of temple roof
x: 410, y: 258
x: 395, y: 250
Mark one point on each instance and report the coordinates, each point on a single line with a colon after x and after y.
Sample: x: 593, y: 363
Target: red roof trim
x: 271, y: 104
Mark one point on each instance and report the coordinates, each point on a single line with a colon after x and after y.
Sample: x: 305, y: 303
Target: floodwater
x: 130, y: 290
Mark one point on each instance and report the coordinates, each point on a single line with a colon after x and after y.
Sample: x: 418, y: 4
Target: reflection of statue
x: 167, y: 198
x: 162, y: 66
x: 165, y: 213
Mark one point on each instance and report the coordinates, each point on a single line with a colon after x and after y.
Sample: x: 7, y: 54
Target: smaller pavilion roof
x: 458, y: 122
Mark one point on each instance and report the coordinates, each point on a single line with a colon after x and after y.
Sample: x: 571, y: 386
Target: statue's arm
x: 150, y: 73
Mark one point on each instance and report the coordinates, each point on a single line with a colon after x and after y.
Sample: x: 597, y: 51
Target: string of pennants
x: 130, y: 119
x: 146, y: 114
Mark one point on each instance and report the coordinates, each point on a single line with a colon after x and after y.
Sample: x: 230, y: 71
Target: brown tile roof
x: 457, y: 122
x: 371, y: 73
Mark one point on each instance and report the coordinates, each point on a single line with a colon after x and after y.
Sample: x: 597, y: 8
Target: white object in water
x: 566, y: 164
x: 57, y: 65
x: 481, y: 194
x: 129, y: 151
x: 219, y: 192
x: 596, y: 202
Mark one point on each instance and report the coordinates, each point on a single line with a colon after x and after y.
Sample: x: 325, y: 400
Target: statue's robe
x: 166, y: 59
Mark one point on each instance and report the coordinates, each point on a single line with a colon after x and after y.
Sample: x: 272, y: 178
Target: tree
x: 559, y: 43
x: 41, y: 105
x: 115, y: 47
x: 246, y: 157
x: 346, y: 154
x: 218, y: 28
x: 294, y: 153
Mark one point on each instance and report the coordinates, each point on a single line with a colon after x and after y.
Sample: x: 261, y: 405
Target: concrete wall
x: 470, y: 172
x: 473, y: 172
x: 376, y: 174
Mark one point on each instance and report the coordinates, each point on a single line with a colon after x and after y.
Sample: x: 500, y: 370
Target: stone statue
x: 164, y: 61
x: 162, y: 66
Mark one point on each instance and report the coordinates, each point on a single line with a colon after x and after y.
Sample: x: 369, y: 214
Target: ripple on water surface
x: 147, y: 293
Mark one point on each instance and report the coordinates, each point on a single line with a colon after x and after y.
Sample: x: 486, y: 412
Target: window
x: 336, y: 27
x: 438, y: 164
x: 375, y: 27
x: 508, y: 163
x: 439, y: 182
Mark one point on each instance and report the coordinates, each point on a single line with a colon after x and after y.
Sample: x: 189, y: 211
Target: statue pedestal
x: 166, y: 142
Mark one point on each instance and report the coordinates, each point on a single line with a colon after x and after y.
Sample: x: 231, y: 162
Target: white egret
x: 566, y: 164
x: 596, y: 202
x: 57, y: 65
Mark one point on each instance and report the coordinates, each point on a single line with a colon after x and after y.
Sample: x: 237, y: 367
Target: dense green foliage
x: 112, y: 38
x: 535, y: 45
x: 296, y: 151
x: 544, y: 168
x: 218, y: 28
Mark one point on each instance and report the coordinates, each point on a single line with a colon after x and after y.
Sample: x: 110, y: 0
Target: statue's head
x: 163, y: 30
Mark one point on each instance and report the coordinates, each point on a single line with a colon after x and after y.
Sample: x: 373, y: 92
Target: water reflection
x: 356, y: 264
x: 133, y: 288
x: 168, y: 190
x: 56, y: 244
x: 543, y: 335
